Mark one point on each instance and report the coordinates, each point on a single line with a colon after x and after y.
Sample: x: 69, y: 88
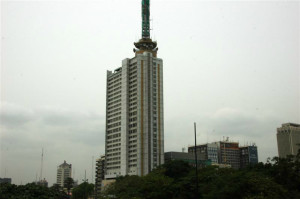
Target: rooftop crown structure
x: 134, y: 110
x: 146, y: 43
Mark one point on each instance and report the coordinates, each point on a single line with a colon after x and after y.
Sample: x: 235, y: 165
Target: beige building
x: 64, y: 171
x: 288, y: 139
x: 134, y: 110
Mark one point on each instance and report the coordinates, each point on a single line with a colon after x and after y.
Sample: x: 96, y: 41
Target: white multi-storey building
x: 288, y: 139
x: 64, y: 171
x: 134, y: 110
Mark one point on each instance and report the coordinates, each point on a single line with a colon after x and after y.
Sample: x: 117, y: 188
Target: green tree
x: 29, y: 191
x: 68, y: 184
x: 83, y: 191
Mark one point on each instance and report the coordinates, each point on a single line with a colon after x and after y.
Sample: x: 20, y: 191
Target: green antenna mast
x: 145, y: 43
x: 145, y: 18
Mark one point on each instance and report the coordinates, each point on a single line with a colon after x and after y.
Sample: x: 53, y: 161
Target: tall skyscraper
x: 64, y: 171
x: 288, y: 139
x: 134, y: 109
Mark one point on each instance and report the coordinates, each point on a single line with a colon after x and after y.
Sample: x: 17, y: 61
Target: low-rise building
x: 5, y: 180
x: 100, y: 172
x: 43, y: 183
x: 226, y: 154
x: 248, y: 156
x: 186, y: 157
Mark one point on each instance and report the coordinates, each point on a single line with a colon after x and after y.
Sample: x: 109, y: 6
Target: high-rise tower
x: 288, y: 139
x: 134, y: 109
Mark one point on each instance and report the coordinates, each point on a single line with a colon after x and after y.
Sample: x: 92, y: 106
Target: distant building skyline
x: 288, y: 139
x: 217, y: 56
x: 227, y: 153
x: 5, y: 180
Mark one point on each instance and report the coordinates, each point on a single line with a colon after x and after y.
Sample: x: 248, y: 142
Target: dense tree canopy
x: 83, y: 191
x: 276, y: 179
x: 30, y: 191
x: 68, y: 184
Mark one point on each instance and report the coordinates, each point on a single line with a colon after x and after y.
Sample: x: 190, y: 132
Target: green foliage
x: 30, y: 191
x: 83, y: 191
x: 276, y: 179
x: 68, y: 184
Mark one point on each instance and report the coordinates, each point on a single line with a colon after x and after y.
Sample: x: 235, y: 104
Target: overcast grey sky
x: 232, y: 67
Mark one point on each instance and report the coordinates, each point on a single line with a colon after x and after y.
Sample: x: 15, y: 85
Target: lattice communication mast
x: 145, y: 44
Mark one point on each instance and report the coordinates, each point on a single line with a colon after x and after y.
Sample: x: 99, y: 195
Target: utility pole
x: 92, y: 168
x: 196, y: 160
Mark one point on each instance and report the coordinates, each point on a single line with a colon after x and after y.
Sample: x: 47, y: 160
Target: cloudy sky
x: 232, y: 67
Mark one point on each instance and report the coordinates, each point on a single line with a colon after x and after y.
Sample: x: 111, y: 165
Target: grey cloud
x: 12, y: 115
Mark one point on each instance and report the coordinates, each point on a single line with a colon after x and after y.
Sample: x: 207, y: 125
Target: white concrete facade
x: 64, y: 171
x: 288, y: 139
x: 135, y: 117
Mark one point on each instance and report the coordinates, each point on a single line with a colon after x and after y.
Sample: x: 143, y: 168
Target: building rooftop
x: 290, y: 124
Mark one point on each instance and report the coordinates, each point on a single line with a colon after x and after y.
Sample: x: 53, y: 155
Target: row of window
x: 113, y: 94
x: 132, y: 108
x: 113, y: 115
x: 113, y: 145
x: 133, y: 81
x: 115, y: 158
x: 132, y: 95
x: 132, y: 131
x: 132, y: 146
x: 132, y: 136
x: 114, y: 130
x: 114, y: 102
x: 132, y: 141
x: 132, y: 66
x: 132, y: 77
x: 132, y: 119
x: 113, y: 168
x: 114, y: 136
x: 115, y: 77
x: 132, y: 90
x: 114, y: 106
x: 132, y: 151
x: 112, y: 98
x: 132, y: 72
x: 133, y: 156
x: 111, y: 150
x: 114, y: 125
x: 132, y: 113
x: 113, y: 163
x: 114, y: 85
x: 132, y: 99
x: 110, y: 83
x: 114, y: 90
x: 132, y: 125
x: 133, y: 86
x: 113, y: 154
x: 133, y: 103
x: 115, y: 110
x: 115, y: 119
x: 114, y: 141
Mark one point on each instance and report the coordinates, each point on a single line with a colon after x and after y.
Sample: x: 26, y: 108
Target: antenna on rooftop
x: 183, y: 149
x: 92, y: 168
x: 41, y: 173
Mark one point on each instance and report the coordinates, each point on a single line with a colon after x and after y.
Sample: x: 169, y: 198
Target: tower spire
x: 145, y: 44
x: 145, y: 18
